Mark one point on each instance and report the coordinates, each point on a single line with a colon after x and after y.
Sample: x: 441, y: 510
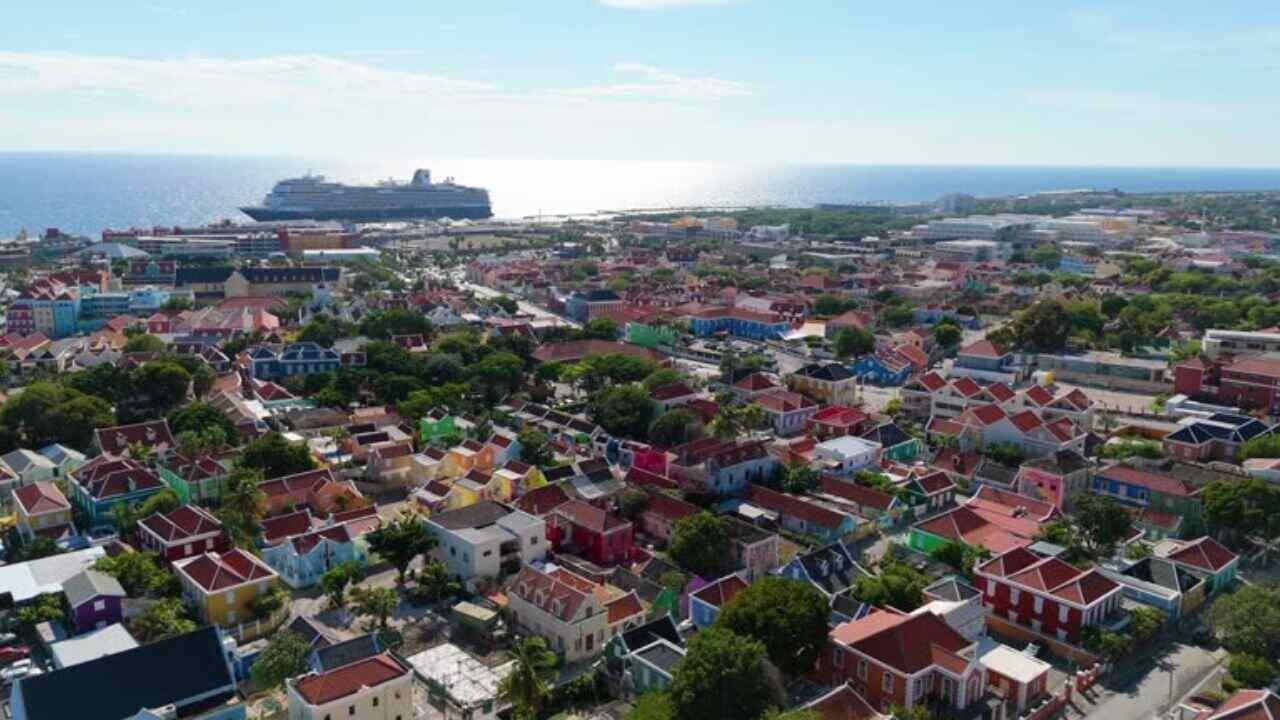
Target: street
x: 1151, y: 695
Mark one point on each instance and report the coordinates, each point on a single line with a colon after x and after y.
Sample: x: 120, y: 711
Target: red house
x: 1250, y: 382
x: 189, y: 530
x: 591, y: 532
x: 1046, y: 594
x: 891, y: 658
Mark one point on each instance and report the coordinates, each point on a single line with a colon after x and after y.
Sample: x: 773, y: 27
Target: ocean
x: 85, y: 193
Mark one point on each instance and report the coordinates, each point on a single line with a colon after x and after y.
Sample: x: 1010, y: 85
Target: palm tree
x: 528, y: 685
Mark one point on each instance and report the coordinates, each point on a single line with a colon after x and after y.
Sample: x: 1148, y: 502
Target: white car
x: 20, y: 669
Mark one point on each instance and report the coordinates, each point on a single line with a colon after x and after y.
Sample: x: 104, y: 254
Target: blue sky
x: 1116, y: 83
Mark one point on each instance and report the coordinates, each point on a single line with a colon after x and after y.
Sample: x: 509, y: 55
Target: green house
x: 199, y: 481
x: 438, y: 429
x: 925, y: 541
x: 650, y: 336
x: 897, y: 443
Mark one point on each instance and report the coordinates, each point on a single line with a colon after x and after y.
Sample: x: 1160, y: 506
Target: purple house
x: 95, y: 599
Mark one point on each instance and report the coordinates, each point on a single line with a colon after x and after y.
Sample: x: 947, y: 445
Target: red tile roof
x: 792, y: 506
x: 1051, y: 576
x: 281, y: 527
x: 644, y: 478
x: 966, y: 526
x: 720, y: 592
x: 966, y: 387
x: 213, y: 573
x: 116, y: 440
x: 1204, y: 553
x: 933, y: 382
x: 41, y: 497
x: 982, y: 348
x: 324, y: 688
x: 542, y: 500
x: 532, y: 585
x: 1025, y: 421
x: 185, y: 522
x: 624, y: 608
x: 588, y: 516
x: 858, y: 494
x: 906, y: 643
x: 839, y: 415
x: 1151, y: 481
x: 989, y: 414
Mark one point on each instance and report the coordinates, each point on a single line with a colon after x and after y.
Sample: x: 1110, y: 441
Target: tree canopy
x: 276, y: 457
x: 788, y: 616
x: 722, y: 675
x: 700, y: 544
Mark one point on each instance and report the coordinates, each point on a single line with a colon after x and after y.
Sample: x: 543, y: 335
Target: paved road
x: 525, y: 307
x: 1149, y: 696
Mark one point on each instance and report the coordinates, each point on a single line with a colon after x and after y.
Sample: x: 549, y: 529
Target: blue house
x: 830, y: 568
x: 880, y: 371
x: 302, y: 559
x: 305, y: 358
x: 739, y: 322
x: 932, y: 315
x: 705, y: 603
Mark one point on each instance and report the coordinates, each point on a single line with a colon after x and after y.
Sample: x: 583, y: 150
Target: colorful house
x: 1163, y: 491
x: 878, y: 369
x: 804, y: 517
x: 223, y: 587
x: 105, y: 482
x: 829, y: 382
x: 705, y: 603
x: 95, y: 598
x: 442, y: 429
x: 187, y: 531
x: 302, y: 559
x: 896, y: 443
x: 154, y: 435
x: 1206, y: 556
x: 1048, y: 595
x: 198, y: 480
x: 42, y: 509
x: 595, y: 534
x: 317, y: 490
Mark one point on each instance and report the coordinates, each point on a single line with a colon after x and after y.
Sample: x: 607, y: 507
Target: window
x: 375, y: 702
x: 487, y: 553
x: 351, y: 710
x: 1062, y: 613
x: 862, y: 669
x: 886, y: 682
x: 837, y: 657
x: 1039, y: 604
x: 1014, y: 594
x: 99, y: 605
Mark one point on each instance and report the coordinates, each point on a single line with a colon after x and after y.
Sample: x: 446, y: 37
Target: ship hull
x: 262, y: 214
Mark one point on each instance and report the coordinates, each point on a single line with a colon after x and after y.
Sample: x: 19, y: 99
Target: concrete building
x: 487, y: 540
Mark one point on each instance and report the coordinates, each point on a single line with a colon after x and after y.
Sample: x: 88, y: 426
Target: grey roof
x: 184, y: 671
x: 1063, y: 462
x: 1164, y: 573
x: 661, y: 655
x: 90, y: 584
x: 664, y: 628
x: 61, y: 453
x: 951, y: 588
x: 22, y: 460
x: 831, y: 567
x: 109, y: 640
x: 476, y: 515
x: 344, y: 653
x: 113, y: 251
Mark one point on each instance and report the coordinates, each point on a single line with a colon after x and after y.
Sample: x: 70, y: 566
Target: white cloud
x: 656, y: 82
x: 660, y: 4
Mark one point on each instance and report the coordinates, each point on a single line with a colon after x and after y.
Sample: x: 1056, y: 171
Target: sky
x: 813, y: 81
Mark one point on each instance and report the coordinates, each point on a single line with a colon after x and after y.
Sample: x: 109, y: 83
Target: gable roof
x: 213, y: 573
x: 41, y: 497
x: 964, y: 525
x: 90, y: 584
x: 116, y: 440
x: 182, y: 523
x: 1204, y: 553
x: 720, y: 592
x: 324, y: 688
x: 179, y: 670
x: 906, y: 643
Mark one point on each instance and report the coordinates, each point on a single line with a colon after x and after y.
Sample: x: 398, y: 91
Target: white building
x: 848, y: 454
x: 487, y: 540
x: 467, y: 686
x: 375, y: 688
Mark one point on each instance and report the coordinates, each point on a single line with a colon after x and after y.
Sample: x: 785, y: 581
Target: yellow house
x: 41, y: 509
x: 831, y: 383
x: 520, y: 478
x: 224, y: 586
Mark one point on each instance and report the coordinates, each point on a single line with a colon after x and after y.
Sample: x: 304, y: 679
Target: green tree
x: 400, y: 541
x: 497, y: 375
x: 435, y: 583
x: 376, y: 603
x: 1248, y: 620
x: 528, y: 685
x: 38, y: 547
x: 829, y: 305
x: 722, y: 675
x: 897, y: 584
x: 337, y: 579
x: 734, y: 419
x: 200, y: 417
x: 535, y: 449
x: 947, y: 335
x: 674, y: 427
x: 1262, y: 446
x: 853, y: 342
x: 897, y: 315
x: 47, y: 607
x: 243, y: 505
x: 1237, y: 506
x: 143, y: 344
x: 165, y: 384
x: 653, y: 705
x: 165, y: 501
x: 1046, y: 256
x: 797, y: 478
x: 138, y: 573
x: 382, y: 325
x: 162, y: 619
x: 1102, y: 523
x: 73, y: 422
x: 600, y: 329
x: 788, y: 616
x: 1252, y: 671
x: 661, y: 377
x: 1044, y: 326
x: 1145, y: 622
x: 284, y: 657
x: 700, y: 544
x: 276, y: 457
x: 624, y: 410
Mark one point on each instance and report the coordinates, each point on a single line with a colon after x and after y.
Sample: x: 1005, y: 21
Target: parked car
x: 8, y: 638
x: 20, y: 669
x: 12, y: 653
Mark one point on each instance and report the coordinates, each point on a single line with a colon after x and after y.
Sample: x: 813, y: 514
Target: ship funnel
x: 422, y: 177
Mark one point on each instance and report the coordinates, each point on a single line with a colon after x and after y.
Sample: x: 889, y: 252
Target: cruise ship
x: 311, y: 197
